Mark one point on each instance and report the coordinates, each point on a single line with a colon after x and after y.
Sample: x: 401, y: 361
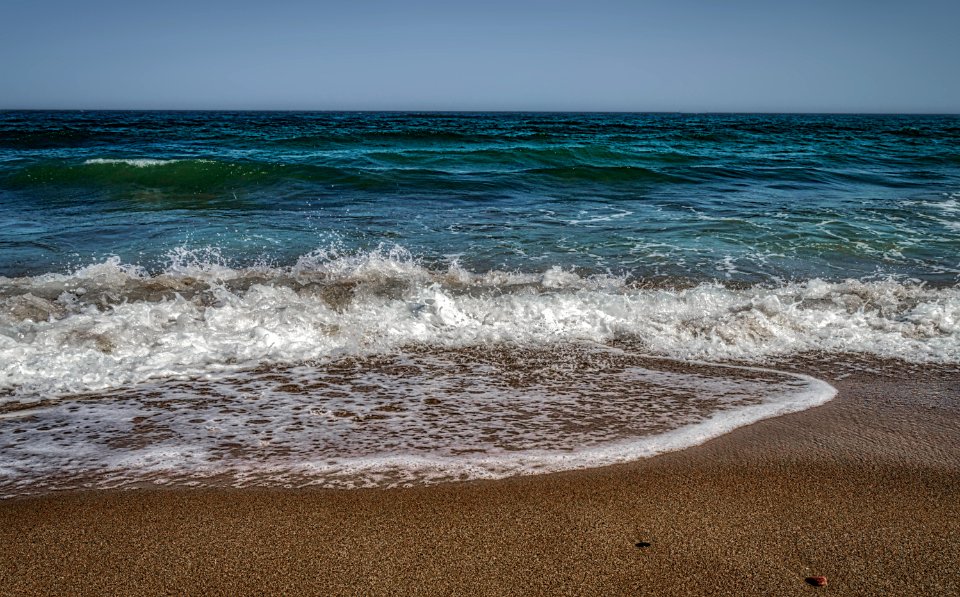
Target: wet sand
x: 864, y: 490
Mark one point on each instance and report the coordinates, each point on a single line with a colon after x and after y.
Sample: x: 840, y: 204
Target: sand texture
x: 864, y: 490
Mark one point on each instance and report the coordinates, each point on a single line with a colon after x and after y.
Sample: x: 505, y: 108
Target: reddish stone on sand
x: 817, y: 581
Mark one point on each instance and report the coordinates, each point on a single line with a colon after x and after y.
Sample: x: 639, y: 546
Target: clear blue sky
x: 661, y: 55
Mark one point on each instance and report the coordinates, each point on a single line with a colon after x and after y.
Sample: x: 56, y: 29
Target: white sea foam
x: 111, y: 324
x: 385, y: 421
x: 138, y: 163
x: 950, y: 208
x: 192, y: 367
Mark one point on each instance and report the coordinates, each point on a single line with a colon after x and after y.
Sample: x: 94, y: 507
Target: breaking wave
x: 111, y: 324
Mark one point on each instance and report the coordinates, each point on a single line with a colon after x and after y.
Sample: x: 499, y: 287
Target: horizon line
x: 467, y: 111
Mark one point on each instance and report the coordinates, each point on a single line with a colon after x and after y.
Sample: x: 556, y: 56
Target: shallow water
x: 422, y: 416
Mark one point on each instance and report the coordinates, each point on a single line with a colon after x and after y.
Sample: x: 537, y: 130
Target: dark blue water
x: 745, y: 198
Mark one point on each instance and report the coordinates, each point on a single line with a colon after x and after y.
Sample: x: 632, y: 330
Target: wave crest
x: 112, y: 324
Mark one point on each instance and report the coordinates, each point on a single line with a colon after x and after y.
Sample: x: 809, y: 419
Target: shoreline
x: 864, y: 489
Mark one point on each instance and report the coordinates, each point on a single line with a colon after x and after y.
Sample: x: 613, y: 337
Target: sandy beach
x: 501, y: 299
x: 864, y: 490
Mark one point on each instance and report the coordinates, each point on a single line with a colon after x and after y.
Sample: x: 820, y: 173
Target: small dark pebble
x: 817, y: 581
x: 642, y: 544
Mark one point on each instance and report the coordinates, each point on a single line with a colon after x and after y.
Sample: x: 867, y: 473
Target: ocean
x: 382, y: 299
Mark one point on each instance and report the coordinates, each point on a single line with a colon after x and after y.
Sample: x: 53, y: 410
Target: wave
x: 425, y: 167
x: 378, y: 173
x: 605, y: 174
x: 177, y: 175
x: 419, y: 417
x: 111, y: 324
x: 136, y: 163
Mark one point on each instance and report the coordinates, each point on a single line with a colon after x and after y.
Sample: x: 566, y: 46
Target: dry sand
x: 864, y: 490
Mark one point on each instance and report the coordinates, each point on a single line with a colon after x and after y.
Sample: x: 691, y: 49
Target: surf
x: 111, y: 324
x: 422, y: 415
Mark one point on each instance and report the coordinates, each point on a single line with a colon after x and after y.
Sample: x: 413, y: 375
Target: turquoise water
x: 354, y: 299
x: 747, y: 198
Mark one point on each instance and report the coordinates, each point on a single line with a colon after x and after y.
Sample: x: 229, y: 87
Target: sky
x: 565, y: 55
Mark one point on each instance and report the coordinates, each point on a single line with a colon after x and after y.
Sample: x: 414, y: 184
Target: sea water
x: 348, y: 299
